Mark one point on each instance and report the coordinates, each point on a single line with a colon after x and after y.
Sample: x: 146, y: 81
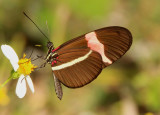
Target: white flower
x: 23, y: 67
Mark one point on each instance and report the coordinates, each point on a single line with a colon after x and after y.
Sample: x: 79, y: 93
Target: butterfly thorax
x: 52, y: 56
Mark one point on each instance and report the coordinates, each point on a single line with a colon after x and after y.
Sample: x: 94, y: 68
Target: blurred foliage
x: 4, y: 99
x: 131, y: 86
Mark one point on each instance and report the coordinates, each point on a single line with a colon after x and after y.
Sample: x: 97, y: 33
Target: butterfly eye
x: 49, y: 44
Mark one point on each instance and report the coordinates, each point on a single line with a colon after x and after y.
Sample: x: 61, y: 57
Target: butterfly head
x: 50, y: 45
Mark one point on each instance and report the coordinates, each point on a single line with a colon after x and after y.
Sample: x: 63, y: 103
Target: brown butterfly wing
x: 116, y: 41
x: 80, y: 73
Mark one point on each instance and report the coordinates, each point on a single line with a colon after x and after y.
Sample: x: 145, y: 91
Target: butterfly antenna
x: 35, y: 25
x: 47, y: 26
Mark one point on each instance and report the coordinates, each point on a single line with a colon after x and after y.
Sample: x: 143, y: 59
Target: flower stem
x: 5, y: 82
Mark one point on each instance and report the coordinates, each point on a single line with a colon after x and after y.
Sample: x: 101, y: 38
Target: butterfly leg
x: 43, y: 65
x: 38, y: 57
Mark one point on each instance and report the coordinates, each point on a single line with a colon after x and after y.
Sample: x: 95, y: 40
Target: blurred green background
x: 131, y: 86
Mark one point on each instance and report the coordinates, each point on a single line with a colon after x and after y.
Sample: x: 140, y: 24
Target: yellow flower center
x: 25, y: 66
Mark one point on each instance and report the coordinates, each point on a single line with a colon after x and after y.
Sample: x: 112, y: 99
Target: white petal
x: 30, y: 83
x: 9, y: 52
x: 21, y: 87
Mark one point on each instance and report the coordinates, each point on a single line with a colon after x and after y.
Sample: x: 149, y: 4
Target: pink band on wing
x: 94, y: 44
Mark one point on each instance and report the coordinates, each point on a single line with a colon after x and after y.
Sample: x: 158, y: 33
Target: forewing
x: 116, y: 41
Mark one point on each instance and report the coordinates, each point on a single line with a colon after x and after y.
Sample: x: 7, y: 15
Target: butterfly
x: 79, y: 61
